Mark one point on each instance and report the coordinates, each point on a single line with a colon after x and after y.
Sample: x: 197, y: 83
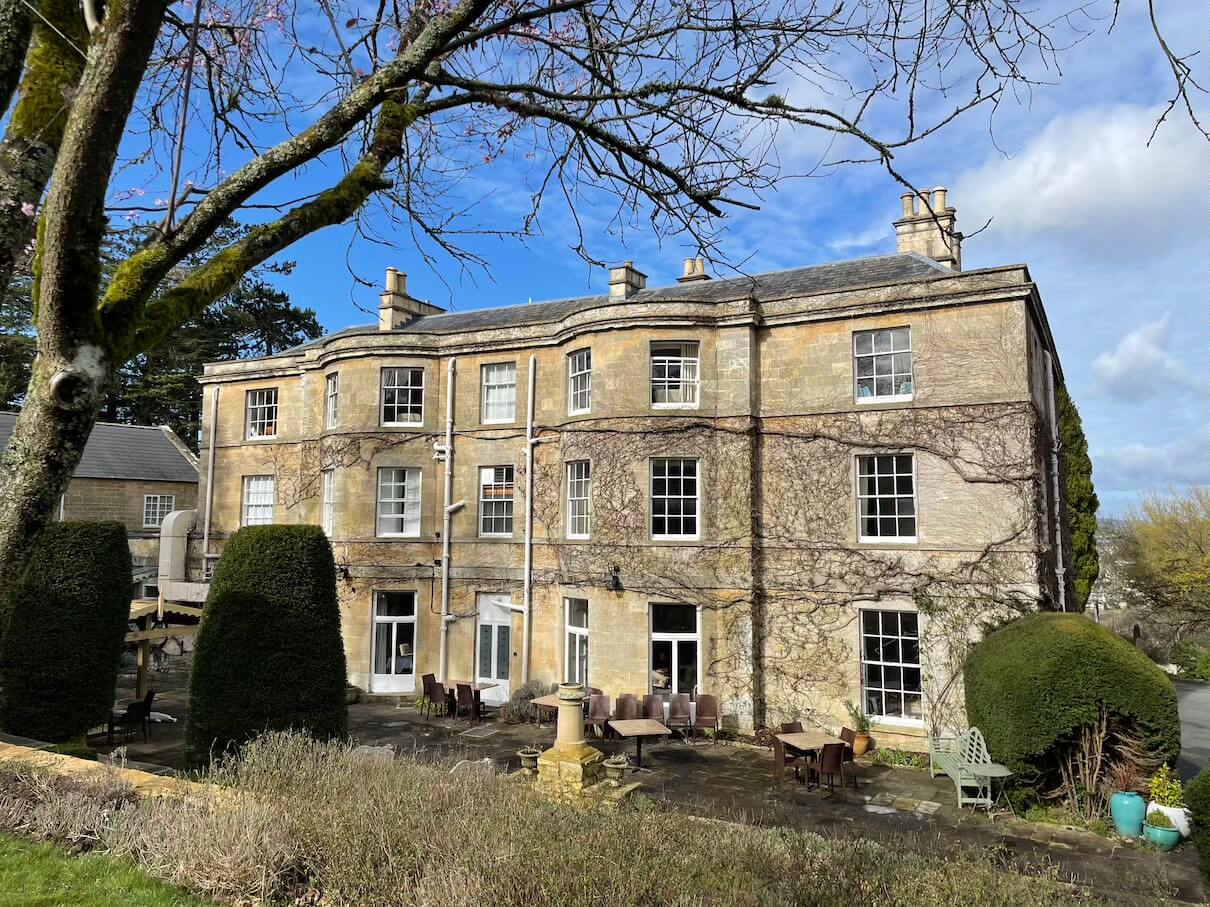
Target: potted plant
x: 861, y: 726
x: 615, y: 767
x: 529, y: 757
x: 1126, y: 805
x: 1159, y: 830
x: 1168, y: 797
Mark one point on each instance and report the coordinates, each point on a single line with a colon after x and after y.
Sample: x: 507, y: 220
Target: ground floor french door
x: 393, y: 668
x: 493, y: 644
x: 675, y: 649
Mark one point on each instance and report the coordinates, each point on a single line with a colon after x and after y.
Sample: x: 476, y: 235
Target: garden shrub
x: 1035, y: 684
x: 269, y: 654
x: 1197, y: 801
x: 64, y: 621
x: 520, y: 707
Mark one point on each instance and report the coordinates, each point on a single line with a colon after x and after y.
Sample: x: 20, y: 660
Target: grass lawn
x: 40, y: 875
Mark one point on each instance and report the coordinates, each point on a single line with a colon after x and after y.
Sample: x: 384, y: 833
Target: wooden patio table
x: 808, y: 741
x: 638, y: 728
x: 549, y: 701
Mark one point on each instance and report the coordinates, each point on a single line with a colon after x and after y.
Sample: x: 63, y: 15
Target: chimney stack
x: 625, y: 281
x: 695, y: 269
x: 930, y: 232
x: 396, y: 308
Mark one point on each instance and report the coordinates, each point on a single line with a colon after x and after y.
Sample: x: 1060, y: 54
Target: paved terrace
x: 734, y: 781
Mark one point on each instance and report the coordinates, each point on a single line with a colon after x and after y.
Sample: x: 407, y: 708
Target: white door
x: 493, y: 644
x: 394, y: 640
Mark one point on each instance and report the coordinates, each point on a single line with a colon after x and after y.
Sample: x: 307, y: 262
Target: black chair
x: 831, y: 764
x: 465, y: 701
x: 134, y: 717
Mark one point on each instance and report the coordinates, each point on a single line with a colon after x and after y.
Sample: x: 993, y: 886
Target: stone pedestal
x: 571, y: 765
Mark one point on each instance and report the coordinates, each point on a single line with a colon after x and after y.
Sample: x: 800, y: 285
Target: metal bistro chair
x: 627, y: 707
x: 831, y: 763
x: 598, y: 713
x: 707, y: 715
x: 134, y: 717
x: 848, y: 735
x: 653, y: 707
x: 680, y: 717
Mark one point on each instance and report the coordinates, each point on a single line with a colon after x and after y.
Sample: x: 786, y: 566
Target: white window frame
x: 408, y: 388
x: 579, y: 382
x: 899, y: 665
x: 268, y: 500
x: 579, y: 499
x: 485, y: 385
x: 331, y: 399
x: 393, y: 682
x: 653, y: 637
x: 327, y: 506
x: 409, y: 506
x: 696, y: 498
x: 260, y: 413
x: 894, y: 475
x: 157, y: 500
x: 573, y: 638
x: 511, y: 500
x: 686, y: 359
x: 874, y: 356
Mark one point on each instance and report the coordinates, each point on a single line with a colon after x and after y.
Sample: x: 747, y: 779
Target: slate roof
x: 874, y: 271
x: 124, y: 452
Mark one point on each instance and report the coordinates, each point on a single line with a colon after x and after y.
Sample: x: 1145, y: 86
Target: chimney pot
x: 396, y: 308
x: 939, y: 199
x: 695, y: 269
x: 690, y: 267
x: 909, y: 205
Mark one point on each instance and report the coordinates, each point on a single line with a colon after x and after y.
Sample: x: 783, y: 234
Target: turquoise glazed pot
x: 1163, y: 838
x: 1127, y: 809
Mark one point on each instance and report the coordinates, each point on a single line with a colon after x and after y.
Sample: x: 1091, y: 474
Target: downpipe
x: 448, y: 510
x: 527, y: 573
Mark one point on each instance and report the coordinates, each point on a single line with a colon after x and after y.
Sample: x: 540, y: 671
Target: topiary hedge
x: 64, y: 621
x: 269, y: 654
x: 1034, y: 682
x: 1197, y: 800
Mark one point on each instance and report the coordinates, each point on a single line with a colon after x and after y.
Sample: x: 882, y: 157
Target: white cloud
x: 1140, y: 366
x: 1090, y: 178
x: 1124, y: 472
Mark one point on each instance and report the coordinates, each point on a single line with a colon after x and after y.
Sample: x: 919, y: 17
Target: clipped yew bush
x: 1197, y: 800
x: 62, y: 631
x: 269, y: 654
x: 1035, y: 684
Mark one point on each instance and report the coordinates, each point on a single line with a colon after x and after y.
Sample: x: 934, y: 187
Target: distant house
x: 135, y: 474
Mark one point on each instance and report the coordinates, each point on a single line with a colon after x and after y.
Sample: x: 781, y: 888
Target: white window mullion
x: 328, y: 499
x: 496, y: 501
x: 674, y: 498
x: 260, y: 496
x: 882, y: 365
x: 261, y: 409
x: 579, y: 491
x: 891, y: 679
x: 579, y: 382
x: 332, y: 398
x: 402, y: 396
x: 886, y: 497
x: 398, y: 502
x: 499, y: 392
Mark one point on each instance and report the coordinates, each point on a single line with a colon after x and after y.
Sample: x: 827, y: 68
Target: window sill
x: 401, y: 424
x: 676, y: 538
x: 887, y: 540
x: 676, y: 406
x: 498, y: 422
x: 895, y: 398
x: 896, y: 725
x: 397, y: 535
x: 494, y: 537
x: 261, y: 438
x: 578, y: 538
x: 579, y: 412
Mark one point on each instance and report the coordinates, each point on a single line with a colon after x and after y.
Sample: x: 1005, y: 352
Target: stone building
x: 793, y: 490
x: 135, y: 474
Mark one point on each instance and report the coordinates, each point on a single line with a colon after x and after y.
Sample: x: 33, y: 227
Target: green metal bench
x: 966, y: 761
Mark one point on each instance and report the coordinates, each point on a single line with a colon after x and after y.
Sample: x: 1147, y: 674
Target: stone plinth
x: 571, y: 765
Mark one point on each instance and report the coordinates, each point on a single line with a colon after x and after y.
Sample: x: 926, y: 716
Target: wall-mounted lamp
x: 614, y: 583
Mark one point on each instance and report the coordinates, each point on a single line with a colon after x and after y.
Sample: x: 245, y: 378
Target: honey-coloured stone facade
x: 778, y: 576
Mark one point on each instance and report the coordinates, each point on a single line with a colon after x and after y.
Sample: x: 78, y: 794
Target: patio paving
x: 733, y: 782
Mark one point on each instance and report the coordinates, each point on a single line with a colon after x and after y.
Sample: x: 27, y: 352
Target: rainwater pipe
x: 528, y: 573
x: 1060, y: 570
x: 209, y: 477
x: 448, y: 511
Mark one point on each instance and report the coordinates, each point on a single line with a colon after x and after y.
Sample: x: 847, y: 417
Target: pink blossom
x: 28, y: 209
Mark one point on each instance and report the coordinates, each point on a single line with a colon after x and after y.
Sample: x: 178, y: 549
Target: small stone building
x: 794, y: 490
x: 135, y: 474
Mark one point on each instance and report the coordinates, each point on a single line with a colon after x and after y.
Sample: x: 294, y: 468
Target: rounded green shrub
x: 64, y: 621
x: 1197, y: 801
x: 1034, y: 683
x: 269, y: 654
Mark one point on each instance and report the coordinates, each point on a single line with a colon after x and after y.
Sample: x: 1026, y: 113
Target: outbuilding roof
x: 146, y: 452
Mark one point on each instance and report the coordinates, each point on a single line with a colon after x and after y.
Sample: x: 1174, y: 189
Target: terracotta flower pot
x: 861, y: 744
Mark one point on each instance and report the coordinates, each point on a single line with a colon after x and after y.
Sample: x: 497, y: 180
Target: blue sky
x: 1114, y: 233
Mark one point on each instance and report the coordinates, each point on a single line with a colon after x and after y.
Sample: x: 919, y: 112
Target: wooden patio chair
x: 653, y: 707
x: 627, y: 707
x: 707, y: 715
x: 831, y: 764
